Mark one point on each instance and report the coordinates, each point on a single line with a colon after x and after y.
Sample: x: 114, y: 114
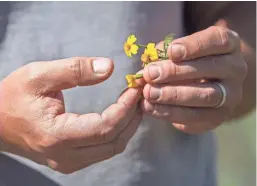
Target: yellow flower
x: 131, y: 81
x: 130, y: 47
x: 150, y: 54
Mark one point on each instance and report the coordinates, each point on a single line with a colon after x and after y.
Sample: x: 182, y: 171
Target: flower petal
x: 128, y: 53
x: 134, y: 49
x: 145, y: 58
x: 131, y: 81
x: 154, y: 57
x: 131, y: 39
x: 150, y: 46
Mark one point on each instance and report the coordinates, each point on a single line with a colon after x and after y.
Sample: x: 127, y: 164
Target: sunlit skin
x: 34, y: 123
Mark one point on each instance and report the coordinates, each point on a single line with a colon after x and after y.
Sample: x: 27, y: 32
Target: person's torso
x: 157, y: 155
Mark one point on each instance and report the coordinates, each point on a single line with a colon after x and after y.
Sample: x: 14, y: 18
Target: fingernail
x: 155, y: 93
x: 177, y: 51
x: 101, y: 66
x: 154, y: 71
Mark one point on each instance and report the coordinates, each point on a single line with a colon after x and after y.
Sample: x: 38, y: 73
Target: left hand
x: 175, y: 92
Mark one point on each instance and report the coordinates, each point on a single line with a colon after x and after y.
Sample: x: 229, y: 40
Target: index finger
x: 93, y: 128
x: 214, y: 40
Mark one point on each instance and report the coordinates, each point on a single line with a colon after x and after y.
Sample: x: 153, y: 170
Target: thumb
x: 140, y: 82
x: 68, y: 73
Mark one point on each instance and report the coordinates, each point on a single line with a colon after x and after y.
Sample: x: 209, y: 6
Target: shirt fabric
x: 158, y: 154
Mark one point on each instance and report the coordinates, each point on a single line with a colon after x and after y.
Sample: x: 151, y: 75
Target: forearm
x: 230, y: 15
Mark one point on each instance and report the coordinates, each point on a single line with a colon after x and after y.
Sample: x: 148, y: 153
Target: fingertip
x: 149, y: 73
x: 140, y: 82
x: 176, y: 52
x: 131, y: 96
x: 146, y: 91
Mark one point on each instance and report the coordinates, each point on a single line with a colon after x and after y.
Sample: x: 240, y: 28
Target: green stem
x: 138, y: 76
x: 144, y: 46
x: 160, y: 50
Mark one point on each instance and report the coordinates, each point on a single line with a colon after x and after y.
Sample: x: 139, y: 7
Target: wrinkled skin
x: 34, y: 123
x: 174, y: 89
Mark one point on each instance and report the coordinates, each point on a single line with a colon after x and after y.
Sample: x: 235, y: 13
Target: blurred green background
x: 237, y: 152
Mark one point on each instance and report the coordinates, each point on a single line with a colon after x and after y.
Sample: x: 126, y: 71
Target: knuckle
x: 199, y: 43
x: 173, y: 94
x: 174, y: 69
x: 210, y: 95
x: 76, y: 68
x: 226, y: 37
x: 33, y: 72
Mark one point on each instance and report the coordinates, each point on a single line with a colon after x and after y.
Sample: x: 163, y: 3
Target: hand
x: 176, y: 91
x: 34, y: 123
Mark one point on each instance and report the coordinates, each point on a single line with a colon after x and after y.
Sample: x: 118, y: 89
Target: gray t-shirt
x: 157, y: 155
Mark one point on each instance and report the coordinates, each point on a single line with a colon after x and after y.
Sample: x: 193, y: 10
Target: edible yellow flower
x: 130, y: 47
x: 131, y: 81
x: 150, y: 54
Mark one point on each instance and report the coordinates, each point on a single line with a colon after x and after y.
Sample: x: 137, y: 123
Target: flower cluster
x: 150, y: 54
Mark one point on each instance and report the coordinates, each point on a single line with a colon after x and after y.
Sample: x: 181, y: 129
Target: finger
x: 116, y: 146
x: 82, y: 157
x: 184, y: 115
x: 122, y: 140
x: 92, y: 129
x: 214, y: 40
x: 194, y: 95
x: 212, y: 67
x: 140, y: 82
x: 67, y: 73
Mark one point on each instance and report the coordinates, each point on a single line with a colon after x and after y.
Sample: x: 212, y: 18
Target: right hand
x: 33, y: 122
